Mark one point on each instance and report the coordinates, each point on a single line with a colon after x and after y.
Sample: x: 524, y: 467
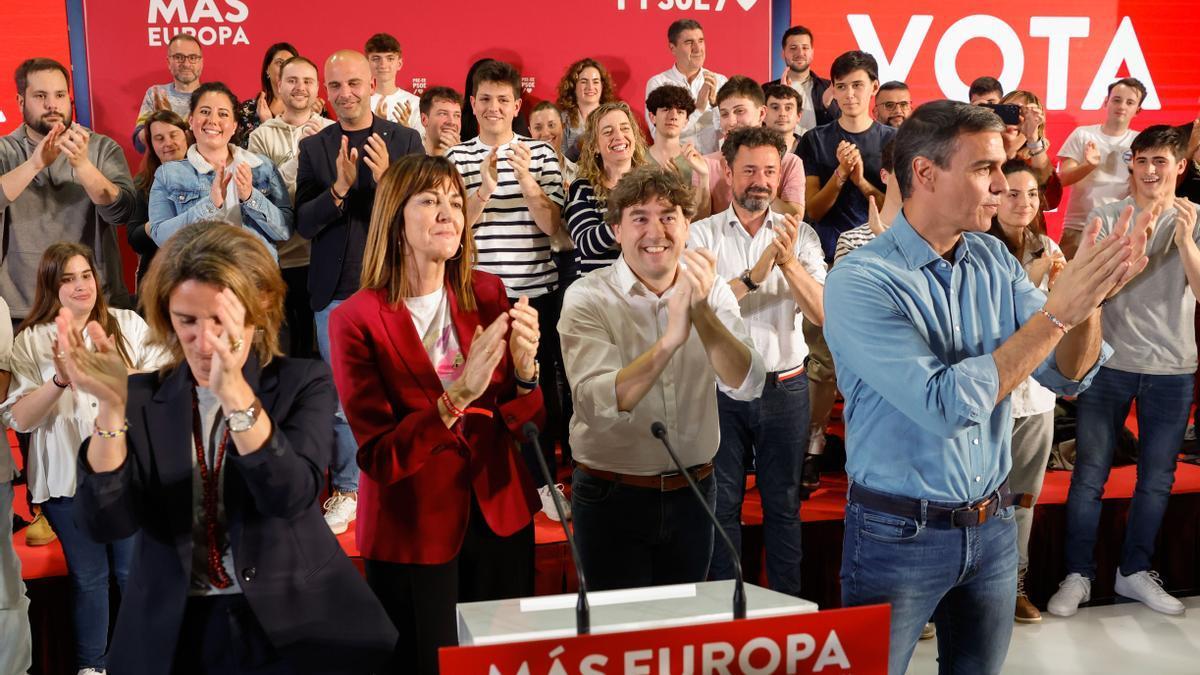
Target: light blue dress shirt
x: 912, y: 335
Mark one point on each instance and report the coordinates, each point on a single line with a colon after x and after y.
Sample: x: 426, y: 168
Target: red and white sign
x: 30, y: 29
x: 1065, y: 51
x: 127, y: 52
x: 853, y: 640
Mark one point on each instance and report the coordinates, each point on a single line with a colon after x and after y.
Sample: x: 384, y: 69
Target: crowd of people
x: 366, y: 298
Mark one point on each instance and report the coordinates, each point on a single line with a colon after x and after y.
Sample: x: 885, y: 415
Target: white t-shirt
x: 394, y: 102
x: 431, y: 318
x: 1109, y: 182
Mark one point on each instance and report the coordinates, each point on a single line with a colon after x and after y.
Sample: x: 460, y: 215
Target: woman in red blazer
x: 437, y: 374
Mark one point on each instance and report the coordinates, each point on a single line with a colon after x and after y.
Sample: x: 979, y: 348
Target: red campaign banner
x: 853, y: 640
x: 127, y: 42
x: 30, y: 29
x: 1065, y: 51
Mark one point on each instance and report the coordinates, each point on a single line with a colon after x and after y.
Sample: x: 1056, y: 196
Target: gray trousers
x: 16, y: 647
x: 1031, y: 440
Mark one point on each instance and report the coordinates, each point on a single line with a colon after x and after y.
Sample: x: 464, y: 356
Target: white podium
x: 553, y: 616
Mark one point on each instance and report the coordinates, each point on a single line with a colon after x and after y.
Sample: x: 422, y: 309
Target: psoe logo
x: 527, y: 84
x: 212, y: 22
x: 685, y: 5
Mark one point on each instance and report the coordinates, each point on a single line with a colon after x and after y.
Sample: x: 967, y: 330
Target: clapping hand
x: 220, y: 182
x: 523, y: 341
x: 376, y: 156
x: 244, y: 178
x: 784, y: 243
x: 347, y: 168
x: 487, y: 349
x: 100, y: 373
x: 48, y: 149
x: 74, y: 144
x: 699, y: 273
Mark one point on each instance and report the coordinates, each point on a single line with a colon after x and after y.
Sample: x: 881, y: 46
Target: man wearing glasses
x: 893, y: 103
x: 186, y: 62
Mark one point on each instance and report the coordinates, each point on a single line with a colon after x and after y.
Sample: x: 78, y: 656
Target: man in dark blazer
x: 797, y: 54
x: 338, y: 170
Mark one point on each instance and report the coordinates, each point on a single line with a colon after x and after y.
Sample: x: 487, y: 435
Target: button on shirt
x: 771, y: 314
x: 701, y: 127
x: 913, y: 335
x: 610, y: 318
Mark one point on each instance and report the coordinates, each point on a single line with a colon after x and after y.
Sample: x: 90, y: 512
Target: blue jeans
x: 88, y: 567
x: 344, y: 470
x: 630, y: 536
x: 775, y: 427
x: 965, y: 578
x: 1164, y: 402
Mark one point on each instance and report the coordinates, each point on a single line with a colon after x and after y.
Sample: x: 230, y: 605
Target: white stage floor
x: 1122, y: 638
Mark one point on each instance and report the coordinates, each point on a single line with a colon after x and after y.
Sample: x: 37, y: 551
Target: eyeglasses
x: 893, y: 105
x: 186, y: 58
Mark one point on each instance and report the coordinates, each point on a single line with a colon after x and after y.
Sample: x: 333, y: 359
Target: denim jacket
x: 181, y: 195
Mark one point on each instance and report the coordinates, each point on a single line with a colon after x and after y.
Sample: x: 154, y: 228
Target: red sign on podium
x: 853, y: 640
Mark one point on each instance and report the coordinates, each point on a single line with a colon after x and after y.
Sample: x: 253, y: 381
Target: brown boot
x: 1026, y: 612
x: 39, y: 532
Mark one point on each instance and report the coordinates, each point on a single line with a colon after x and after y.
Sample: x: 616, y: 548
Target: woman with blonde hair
x: 437, y: 375
x: 57, y: 414
x: 612, y: 145
x: 584, y: 87
x: 216, y: 462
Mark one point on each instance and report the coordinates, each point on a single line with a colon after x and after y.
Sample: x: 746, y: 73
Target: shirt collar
x: 240, y: 155
x: 916, y: 251
x: 628, y: 283
x: 731, y: 222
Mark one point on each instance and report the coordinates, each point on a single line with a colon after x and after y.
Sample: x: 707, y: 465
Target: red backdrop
x: 1065, y: 51
x: 126, y: 41
x: 29, y: 29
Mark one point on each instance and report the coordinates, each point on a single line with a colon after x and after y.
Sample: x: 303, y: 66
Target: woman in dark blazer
x: 437, y: 375
x: 235, y: 570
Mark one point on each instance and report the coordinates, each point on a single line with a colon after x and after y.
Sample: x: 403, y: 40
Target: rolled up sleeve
x: 726, y: 308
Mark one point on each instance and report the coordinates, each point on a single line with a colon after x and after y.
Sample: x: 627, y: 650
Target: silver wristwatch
x: 241, y: 420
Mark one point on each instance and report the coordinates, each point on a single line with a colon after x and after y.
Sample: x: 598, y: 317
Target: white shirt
x: 54, y: 442
x: 702, y: 127
x: 431, y: 317
x: 396, y: 100
x: 609, y: 318
x: 770, y: 313
x: 808, y: 111
x: 1107, y: 183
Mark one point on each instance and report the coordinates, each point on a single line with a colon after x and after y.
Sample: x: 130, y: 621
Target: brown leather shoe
x: 1026, y: 612
x: 39, y: 532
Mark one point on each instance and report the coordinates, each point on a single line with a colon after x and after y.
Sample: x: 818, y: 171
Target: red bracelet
x: 454, y: 410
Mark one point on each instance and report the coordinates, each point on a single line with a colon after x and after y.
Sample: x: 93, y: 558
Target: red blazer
x: 417, y: 476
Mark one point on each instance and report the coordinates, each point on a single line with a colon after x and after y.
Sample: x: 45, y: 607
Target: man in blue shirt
x: 936, y: 324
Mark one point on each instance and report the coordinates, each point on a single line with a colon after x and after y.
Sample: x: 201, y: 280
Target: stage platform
x: 1177, y: 556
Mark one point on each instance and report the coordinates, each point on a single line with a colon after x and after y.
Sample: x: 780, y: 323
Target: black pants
x: 549, y: 307
x: 298, y: 336
x: 420, y: 599
x: 221, y: 635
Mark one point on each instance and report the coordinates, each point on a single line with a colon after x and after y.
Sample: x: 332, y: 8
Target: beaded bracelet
x: 111, y: 434
x: 454, y: 410
x: 1054, y: 320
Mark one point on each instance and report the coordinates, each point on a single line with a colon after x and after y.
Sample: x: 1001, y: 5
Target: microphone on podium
x: 739, y: 590
x: 583, y: 613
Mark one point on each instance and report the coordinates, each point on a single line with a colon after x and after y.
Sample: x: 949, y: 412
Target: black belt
x: 936, y: 515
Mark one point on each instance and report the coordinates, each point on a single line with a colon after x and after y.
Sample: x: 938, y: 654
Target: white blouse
x: 54, y: 442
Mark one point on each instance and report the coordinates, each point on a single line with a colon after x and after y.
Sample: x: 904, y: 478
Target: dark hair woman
x: 168, y: 138
x: 57, y: 416
x: 265, y: 104
x: 216, y: 462
x: 437, y: 374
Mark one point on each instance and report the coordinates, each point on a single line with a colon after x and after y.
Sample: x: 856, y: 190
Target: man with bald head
x: 338, y: 170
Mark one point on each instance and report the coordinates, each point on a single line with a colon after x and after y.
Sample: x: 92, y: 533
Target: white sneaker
x: 1073, y: 590
x: 548, y: 502
x: 340, y: 510
x: 91, y: 671
x: 1146, y: 588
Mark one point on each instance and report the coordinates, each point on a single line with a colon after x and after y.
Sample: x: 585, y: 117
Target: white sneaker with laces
x: 1073, y: 590
x: 340, y: 510
x: 91, y: 671
x: 548, y: 502
x: 1146, y: 588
